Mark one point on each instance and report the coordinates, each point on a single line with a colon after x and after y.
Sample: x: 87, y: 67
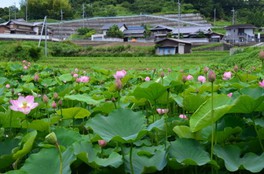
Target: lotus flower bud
x: 102, y: 143
x: 235, y: 68
x: 206, y: 69
x: 211, y: 76
x: 36, y: 77
x: 51, y: 138
x: 118, y: 84
x: 53, y: 105
x: 55, y: 95
x: 45, y: 98
x: 162, y: 74
x: 60, y: 102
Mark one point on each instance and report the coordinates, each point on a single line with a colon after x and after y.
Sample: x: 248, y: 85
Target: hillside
x: 66, y: 28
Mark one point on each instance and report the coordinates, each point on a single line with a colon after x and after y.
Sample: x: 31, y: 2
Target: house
x: 169, y: 46
x: 160, y: 32
x: 134, y: 33
x: 240, y: 33
x: 122, y: 27
x: 20, y: 27
x: 192, y: 31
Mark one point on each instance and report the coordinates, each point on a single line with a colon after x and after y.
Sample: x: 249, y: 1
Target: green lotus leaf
x: 76, y: 112
x: 26, y: 144
x: 122, y: 125
x: 146, y: 159
x: 189, y: 152
x: 66, y: 77
x: 192, y: 102
x: 231, y: 155
x: 91, y: 155
x: 183, y: 131
x: 83, y: 98
x: 246, y: 104
x: 105, y: 108
x: 47, y: 161
x: 39, y: 125
x: 6, y: 157
x: 203, y: 115
x: 66, y: 137
x: 149, y: 90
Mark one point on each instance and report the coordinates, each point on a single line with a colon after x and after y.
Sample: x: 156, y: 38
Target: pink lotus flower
x: 230, y: 94
x: 261, y: 84
x: 147, y: 79
x: 227, y: 75
x: 75, y: 75
x: 23, y: 104
x: 162, y: 111
x: 182, y: 116
x: 120, y: 74
x: 83, y: 79
x: 189, y: 77
x: 201, y: 79
x: 102, y: 143
x: 53, y: 105
x: 7, y: 86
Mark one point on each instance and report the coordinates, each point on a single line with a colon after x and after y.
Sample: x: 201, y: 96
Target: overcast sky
x: 7, y: 3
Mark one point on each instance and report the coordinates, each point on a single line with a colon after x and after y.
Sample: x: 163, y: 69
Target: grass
x: 115, y: 63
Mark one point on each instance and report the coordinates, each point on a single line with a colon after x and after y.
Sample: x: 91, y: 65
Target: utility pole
x: 179, y: 17
x: 83, y: 14
x: 233, y: 17
x: 61, y: 13
x: 15, y: 10
x: 9, y: 14
x: 214, y: 16
x: 26, y: 9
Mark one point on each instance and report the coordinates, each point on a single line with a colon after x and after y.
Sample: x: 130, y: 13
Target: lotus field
x: 201, y: 120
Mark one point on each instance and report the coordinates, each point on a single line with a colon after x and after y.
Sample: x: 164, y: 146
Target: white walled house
x: 240, y: 33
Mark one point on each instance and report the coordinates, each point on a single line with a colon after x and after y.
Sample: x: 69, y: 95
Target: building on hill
x: 160, y: 32
x: 20, y: 26
x: 240, y: 33
x: 134, y: 33
x: 122, y: 27
x: 169, y: 46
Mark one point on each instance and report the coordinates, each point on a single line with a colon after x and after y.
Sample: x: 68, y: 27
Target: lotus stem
x: 212, y: 124
x: 130, y: 159
x: 60, y: 156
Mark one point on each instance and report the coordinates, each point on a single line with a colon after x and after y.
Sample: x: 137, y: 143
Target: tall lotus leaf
x: 6, y: 158
x: 3, y: 80
x: 246, y: 104
x: 147, y: 159
x: 66, y: 77
x: 26, y: 143
x: 189, y: 152
x: 192, y: 102
x: 203, y: 115
x: 83, y: 98
x: 87, y: 153
x: 47, y: 161
x: 76, y: 112
x: 183, y: 132
x: 16, y: 119
x: 150, y: 91
x: 121, y: 125
x: 67, y: 137
x: 247, y: 77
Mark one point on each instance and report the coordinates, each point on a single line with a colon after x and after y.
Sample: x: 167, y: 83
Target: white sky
x: 7, y: 3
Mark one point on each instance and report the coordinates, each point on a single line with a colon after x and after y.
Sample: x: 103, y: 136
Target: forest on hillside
x: 249, y: 11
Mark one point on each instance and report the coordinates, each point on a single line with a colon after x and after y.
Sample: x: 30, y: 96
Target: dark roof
x: 134, y: 31
x: 172, y: 39
x: 21, y: 22
x: 240, y: 26
x: 135, y: 27
x: 107, y: 26
x: 162, y: 27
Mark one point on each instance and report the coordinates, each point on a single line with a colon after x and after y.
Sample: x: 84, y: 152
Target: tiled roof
x: 240, y: 26
x: 107, y: 26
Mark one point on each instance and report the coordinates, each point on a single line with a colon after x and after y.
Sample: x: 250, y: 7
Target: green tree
x: 114, y: 32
